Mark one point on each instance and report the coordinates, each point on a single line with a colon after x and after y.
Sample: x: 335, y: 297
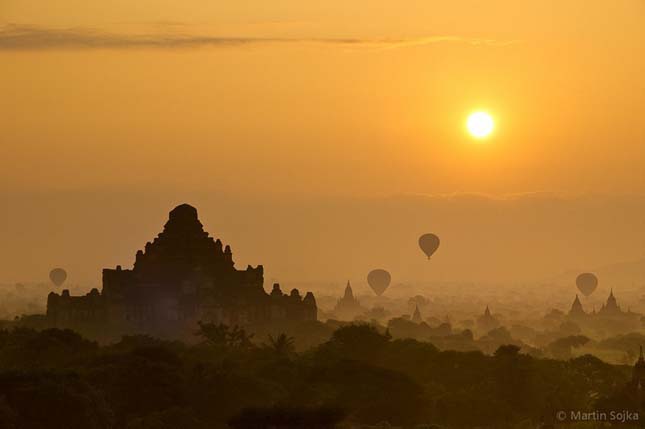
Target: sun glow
x: 480, y: 125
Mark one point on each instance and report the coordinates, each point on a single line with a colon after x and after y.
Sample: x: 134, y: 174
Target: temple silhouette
x: 416, y: 316
x: 487, y: 321
x: 183, y: 276
x: 348, y: 306
x: 610, y: 309
x: 609, y: 319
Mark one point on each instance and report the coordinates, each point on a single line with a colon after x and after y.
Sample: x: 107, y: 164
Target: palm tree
x: 283, y: 345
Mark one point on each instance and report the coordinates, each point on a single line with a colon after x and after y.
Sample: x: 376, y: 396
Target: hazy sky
x: 359, y: 99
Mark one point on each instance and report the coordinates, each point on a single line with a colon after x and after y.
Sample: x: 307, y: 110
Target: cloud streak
x: 24, y: 37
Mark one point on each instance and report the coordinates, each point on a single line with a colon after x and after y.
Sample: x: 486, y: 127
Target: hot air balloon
x: 379, y: 280
x: 58, y: 276
x: 587, y: 283
x: 429, y: 243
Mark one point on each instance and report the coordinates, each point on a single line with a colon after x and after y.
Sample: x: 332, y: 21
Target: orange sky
x: 563, y: 79
x: 359, y: 99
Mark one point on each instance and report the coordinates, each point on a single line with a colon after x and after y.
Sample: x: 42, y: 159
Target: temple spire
x: 349, y: 294
x: 348, y: 306
x: 416, y: 317
x: 576, y: 308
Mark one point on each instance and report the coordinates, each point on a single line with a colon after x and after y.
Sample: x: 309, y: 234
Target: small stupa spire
x: 416, y: 317
x: 349, y: 294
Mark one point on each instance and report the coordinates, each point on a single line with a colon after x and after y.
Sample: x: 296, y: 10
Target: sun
x: 480, y: 124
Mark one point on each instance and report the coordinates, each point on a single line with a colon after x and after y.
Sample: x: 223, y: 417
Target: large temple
x: 182, y: 277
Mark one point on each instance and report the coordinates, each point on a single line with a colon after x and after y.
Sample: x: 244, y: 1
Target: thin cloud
x: 22, y: 37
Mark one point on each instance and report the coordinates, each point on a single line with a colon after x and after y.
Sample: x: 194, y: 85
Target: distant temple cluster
x: 610, y: 317
x: 609, y: 309
x: 182, y: 277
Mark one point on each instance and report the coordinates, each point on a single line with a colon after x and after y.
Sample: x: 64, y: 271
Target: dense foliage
x: 57, y: 379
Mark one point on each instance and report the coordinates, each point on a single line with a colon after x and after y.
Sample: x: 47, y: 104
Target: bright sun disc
x: 480, y: 125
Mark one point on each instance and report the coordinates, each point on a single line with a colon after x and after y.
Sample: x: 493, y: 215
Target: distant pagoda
x: 610, y: 308
x: 576, y: 310
x: 416, y: 316
x: 487, y: 321
x: 348, y: 306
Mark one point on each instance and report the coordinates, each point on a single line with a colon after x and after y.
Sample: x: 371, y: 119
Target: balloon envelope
x: 429, y: 243
x: 379, y: 280
x: 587, y: 283
x: 58, y: 276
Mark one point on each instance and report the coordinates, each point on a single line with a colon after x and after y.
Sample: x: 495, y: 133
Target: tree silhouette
x: 222, y: 336
x: 282, y: 345
x: 57, y: 379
